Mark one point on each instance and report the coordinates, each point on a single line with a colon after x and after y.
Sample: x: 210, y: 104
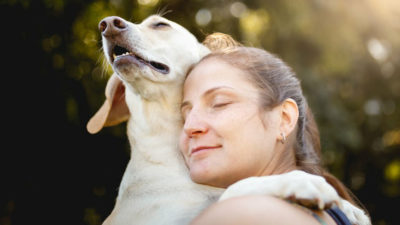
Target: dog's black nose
x: 112, y: 25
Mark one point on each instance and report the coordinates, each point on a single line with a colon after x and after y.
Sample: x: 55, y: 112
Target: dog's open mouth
x: 118, y: 52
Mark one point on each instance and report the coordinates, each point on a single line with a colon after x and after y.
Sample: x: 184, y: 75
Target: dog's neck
x: 155, y: 124
x: 153, y: 131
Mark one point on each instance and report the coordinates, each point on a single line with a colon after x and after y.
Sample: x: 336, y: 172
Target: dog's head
x: 147, y: 55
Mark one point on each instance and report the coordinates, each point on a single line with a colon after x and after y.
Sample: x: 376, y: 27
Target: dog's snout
x: 112, y: 25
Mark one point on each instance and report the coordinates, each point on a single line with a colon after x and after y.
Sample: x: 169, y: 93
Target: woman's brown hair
x: 277, y: 82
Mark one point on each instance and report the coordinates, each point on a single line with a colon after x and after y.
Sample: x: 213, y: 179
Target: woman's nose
x: 194, y: 125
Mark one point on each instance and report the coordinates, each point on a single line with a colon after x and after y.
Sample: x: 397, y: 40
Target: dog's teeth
x: 114, y: 56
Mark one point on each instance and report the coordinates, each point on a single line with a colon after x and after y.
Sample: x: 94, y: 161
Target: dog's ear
x: 114, y: 109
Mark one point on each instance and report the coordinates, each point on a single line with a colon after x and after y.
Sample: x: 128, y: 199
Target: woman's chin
x: 201, y: 175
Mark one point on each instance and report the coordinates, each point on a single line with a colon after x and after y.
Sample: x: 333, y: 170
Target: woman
x: 245, y: 115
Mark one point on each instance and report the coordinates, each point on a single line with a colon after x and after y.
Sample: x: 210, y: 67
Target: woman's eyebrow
x: 212, y: 90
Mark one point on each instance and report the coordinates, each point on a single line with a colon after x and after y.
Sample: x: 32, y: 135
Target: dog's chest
x: 160, y: 195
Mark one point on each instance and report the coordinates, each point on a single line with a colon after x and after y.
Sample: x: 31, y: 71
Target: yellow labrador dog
x: 150, y: 61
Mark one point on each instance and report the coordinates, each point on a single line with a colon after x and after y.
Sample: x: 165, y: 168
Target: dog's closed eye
x: 160, y: 25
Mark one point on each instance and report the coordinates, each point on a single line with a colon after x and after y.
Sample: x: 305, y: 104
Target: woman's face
x: 226, y: 137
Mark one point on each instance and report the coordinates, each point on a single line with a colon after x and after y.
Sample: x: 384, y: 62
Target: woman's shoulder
x: 255, y: 209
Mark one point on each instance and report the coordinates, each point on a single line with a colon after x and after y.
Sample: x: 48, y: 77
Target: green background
x: 346, y: 54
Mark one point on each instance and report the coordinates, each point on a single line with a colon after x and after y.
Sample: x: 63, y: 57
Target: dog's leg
x: 303, y: 188
x: 354, y: 214
x: 298, y: 186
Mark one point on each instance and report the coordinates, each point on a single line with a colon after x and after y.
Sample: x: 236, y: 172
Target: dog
x: 150, y: 61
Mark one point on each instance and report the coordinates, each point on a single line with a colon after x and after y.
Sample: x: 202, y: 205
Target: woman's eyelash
x: 221, y: 104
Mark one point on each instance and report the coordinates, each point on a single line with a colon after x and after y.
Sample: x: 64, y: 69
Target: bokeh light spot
x: 391, y: 138
x: 148, y: 2
x: 392, y: 171
x: 238, y: 9
x: 203, y: 17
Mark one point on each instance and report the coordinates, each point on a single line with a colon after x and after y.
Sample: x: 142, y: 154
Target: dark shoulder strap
x: 339, y: 217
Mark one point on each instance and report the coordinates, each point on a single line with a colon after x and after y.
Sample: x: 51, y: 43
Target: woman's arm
x: 256, y: 210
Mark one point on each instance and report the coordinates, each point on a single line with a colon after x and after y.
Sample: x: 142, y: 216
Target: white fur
x: 156, y: 187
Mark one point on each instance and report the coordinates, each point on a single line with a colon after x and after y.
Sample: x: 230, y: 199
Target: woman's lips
x: 204, y: 148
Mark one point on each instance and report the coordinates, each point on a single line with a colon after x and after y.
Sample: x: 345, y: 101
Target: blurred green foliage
x: 346, y: 53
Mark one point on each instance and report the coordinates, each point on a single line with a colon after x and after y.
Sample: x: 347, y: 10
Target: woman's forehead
x: 214, y: 70
x: 213, y: 73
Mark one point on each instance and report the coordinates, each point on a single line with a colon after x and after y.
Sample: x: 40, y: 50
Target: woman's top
x: 337, y: 215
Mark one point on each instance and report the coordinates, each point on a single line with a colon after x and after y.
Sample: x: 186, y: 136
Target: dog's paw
x: 303, y: 188
x: 354, y: 214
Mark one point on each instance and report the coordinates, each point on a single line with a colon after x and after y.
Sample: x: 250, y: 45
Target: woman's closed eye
x: 220, y: 101
x: 220, y: 104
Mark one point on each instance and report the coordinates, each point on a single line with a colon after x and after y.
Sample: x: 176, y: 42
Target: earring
x: 283, y: 138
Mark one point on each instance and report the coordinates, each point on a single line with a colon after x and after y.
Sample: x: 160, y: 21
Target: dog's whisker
x: 104, y: 68
x: 131, y: 18
x: 163, y: 11
x: 103, y: 63
x: 101, y: 49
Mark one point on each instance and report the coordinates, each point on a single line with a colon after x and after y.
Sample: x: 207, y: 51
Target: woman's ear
x: 289, y: 117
